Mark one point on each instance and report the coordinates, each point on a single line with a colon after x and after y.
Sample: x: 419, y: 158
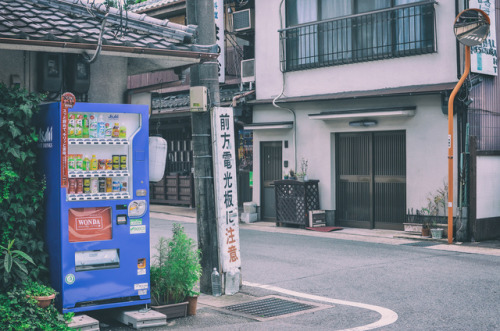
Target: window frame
x: 393, y: 45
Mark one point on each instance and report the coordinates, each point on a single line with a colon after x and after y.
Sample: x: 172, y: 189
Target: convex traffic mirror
x: 472, y: 27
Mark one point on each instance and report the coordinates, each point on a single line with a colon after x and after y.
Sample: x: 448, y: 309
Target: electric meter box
x: 198, y: 98
x: 97, y: 203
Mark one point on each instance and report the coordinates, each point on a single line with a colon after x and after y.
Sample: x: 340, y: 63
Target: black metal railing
x: 395, y: 32
x: 485, y: 125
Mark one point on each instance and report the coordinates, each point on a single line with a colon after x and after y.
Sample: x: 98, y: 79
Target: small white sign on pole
x: 226, y: 192
x: 484, y: 59
x: 219, y: 25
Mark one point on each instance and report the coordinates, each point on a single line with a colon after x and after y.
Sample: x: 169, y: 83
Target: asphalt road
x: 428, y: 289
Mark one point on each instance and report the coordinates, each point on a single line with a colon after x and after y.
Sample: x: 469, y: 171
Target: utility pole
x: 201, y: 13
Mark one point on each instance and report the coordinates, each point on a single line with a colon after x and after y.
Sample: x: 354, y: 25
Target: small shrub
x: 176, y: 268
x: 19, y: 312
x: 12, y: 265
x: 37, y: 289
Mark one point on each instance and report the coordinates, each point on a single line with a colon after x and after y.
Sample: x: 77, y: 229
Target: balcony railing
x: 389, y: 33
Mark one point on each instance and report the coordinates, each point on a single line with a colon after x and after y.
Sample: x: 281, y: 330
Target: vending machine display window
x: 90, y: 224
x: 97, y: 260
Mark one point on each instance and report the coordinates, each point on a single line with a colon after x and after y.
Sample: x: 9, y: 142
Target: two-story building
x: 358, y: 89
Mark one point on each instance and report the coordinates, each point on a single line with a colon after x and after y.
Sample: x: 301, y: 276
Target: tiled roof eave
x: 67, y: 47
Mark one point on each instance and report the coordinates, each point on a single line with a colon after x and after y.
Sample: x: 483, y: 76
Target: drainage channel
x: 273, y: 306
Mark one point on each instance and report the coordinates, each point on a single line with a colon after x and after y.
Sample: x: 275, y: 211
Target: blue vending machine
x: 95, y: 160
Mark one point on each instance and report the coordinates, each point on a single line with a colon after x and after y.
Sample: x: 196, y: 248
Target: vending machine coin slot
x: 121, y: 219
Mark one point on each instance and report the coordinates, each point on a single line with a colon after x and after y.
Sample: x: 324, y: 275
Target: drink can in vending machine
x: 123, y: 162
x: 72, y: 186
x: 109, y: 184
x: 109, y: 164
x: 102, y: 164
x: 116, y: 185
x: 94, y: 185
x: 123, y: 186
x: 116, y: 162
x: 86, y: 185
x: 79, y: 185
x: 102, y: 184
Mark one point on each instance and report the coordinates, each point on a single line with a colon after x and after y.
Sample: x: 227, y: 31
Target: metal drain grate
x: 422, y: 244
x: 270, y: 307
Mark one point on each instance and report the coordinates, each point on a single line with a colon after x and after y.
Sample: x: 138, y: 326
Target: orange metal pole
x: 450, y: 143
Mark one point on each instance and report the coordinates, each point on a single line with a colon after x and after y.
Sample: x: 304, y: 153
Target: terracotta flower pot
x: 426, y: 232
x: 44, y: 301
x: 192, y: 303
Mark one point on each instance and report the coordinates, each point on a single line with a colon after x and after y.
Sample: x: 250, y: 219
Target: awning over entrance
x: 269, y: 126
x: 365, y: 113
x: 387, y: 92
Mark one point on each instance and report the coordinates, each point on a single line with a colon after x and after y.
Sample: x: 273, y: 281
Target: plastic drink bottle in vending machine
x: 94, y: 163
x: 92, y: 126
x: 101, y: 127
x: 94, y: 185
x: 86, y: 163
x: 85, y: 128
x: 71, y: 162
x: 109, y: 130
x: 79, y: 162
x: 123, y: 132
x: 71, y: 125
x: 116, y: 131
x: 78, y: 125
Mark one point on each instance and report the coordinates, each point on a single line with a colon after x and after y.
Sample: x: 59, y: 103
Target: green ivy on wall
x: 21, y: 187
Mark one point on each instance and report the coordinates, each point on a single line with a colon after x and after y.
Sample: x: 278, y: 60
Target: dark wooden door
x: 271, y: 170
x: 371, y: 179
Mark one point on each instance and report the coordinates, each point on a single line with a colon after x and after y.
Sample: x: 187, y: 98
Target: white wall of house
x: 488, y: 186
x: 433, y: 68
x: 426, y: 143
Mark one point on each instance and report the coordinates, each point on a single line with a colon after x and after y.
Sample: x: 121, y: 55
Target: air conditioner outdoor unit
x: 248, y: 71
x: 243, y: 20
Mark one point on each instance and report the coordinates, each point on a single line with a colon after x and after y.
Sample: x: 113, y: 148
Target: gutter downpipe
x: 236, y: 97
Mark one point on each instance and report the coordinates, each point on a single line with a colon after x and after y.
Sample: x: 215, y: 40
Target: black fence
x: 485, y: 125
x: 395, y: 32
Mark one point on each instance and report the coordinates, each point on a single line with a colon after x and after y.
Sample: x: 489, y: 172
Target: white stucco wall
x: 433, y: 68
x: 426, y: 143
x: 488, y: 186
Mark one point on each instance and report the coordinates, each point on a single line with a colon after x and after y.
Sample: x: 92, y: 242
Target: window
x: 332, y: 32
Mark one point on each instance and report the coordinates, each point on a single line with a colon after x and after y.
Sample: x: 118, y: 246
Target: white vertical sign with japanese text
x: 484, y: 59
x: 226, y: 192
x: 219, y: 31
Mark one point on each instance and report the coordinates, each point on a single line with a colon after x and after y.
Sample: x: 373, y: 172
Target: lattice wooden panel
x: 294, y: 199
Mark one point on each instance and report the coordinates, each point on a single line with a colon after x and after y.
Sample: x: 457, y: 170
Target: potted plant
x: 436, y: 231
x: 175, y: 272
x: 426, y: 228
x: 302, y: 175
x: 41, y: 293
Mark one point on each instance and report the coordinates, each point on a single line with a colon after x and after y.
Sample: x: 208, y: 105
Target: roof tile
x: 71, y: 20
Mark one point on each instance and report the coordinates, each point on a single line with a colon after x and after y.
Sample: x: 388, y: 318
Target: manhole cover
x: 273, y: 306
x: 422, y: 244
